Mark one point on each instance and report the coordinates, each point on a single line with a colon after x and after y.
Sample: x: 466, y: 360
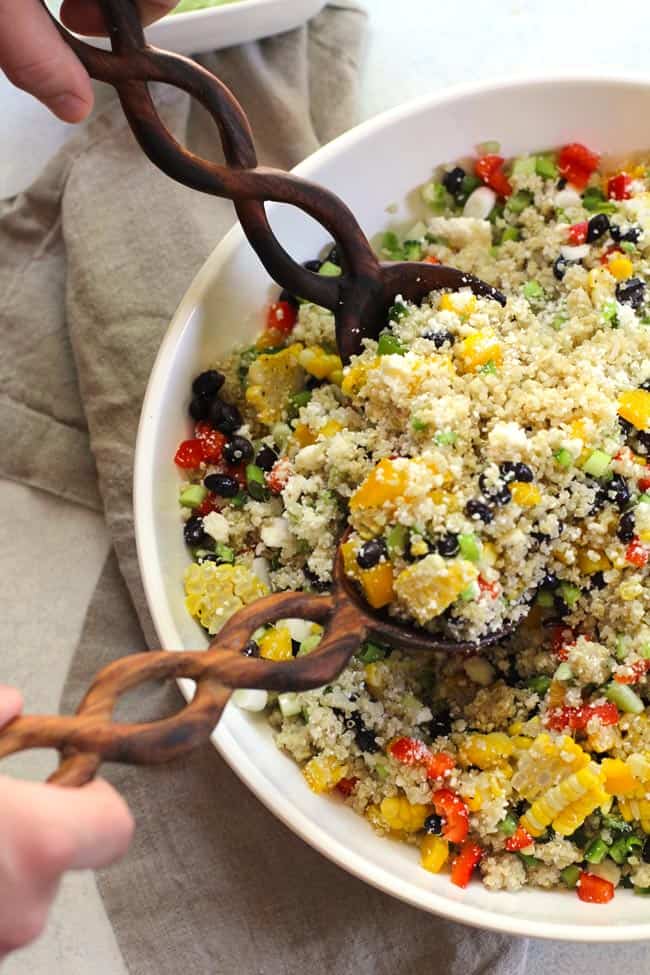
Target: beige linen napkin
x: 95, y: 257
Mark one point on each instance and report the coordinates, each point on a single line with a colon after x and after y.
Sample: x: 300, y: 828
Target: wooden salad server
x: 359, y: 299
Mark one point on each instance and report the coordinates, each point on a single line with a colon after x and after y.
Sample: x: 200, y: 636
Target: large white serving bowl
x: 373, y: 166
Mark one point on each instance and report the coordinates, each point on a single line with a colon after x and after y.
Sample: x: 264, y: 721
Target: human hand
x: 44, y: 831
x: 35, y: 58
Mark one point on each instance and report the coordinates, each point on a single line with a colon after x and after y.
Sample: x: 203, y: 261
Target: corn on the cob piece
x: 398, y: 813
x: 567, y: 805
x: 322, y: 773
x: 434, y: 853
x: 215, y: 592
x: 271, y: 380
x: 545, y: 763
x: 487, y: 751
x: 636, y: 810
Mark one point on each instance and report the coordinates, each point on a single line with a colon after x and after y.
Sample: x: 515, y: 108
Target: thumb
x: 10, y: 704
x: 35, y: 58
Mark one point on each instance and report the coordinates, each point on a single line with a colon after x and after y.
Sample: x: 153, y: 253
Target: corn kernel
x: 634, y: 406
x: 375, y: 677
x: 486, y: 751
x: 319, y: 363
x: 304, y: 435
x: 434, y: 853
x: 619, y: 779
x: 620, y: 267
x: 398, y: 813
x: 322, y: 773
x: 525, y: 495
x: 330, y: 428
x: 590, y: 565
x: 276, y: 644
x: 474, y: 802
x: 215, y: 592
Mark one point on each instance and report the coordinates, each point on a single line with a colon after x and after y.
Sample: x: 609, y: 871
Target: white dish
x: 218, y: 27
x: 225, y: 304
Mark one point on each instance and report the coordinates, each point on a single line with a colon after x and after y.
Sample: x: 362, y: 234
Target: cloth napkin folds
x: 95, y: 257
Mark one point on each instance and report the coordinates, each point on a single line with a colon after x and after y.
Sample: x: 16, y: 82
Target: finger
x: 85, y: 18
x: 56, y: 829
x: 36, y: 59
x: 11, y: 704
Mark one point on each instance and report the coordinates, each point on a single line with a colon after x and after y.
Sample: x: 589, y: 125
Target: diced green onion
x: 381, y: 770
x: 624, y: 698
x: 628, y: 246
x: 239, y: 500
x: 597, y: 464
x: 193, y: 495
x: 610, y: 313
x: 508, y: 825
x: 390, y: 345
x: 540, y: 683
x: 412, y: 250
x: 559, y: 321
x: 330, y: 270
x: 396, y: 540
x: 545, y: 167
x: 510, y: 233
x: 622, y: 648
x: 255, y: 482
x: 533, y: 291
x: 593, y: 199
x: 529, y: 860
x: 470, y: 546
x: 299, y: 399
x: 524, y: 166
x: 445, y: 437
x: 563, y: 672
x: 643, y: 499
x: 615, y: 823
x: 397, y: 311
x: 570, y: 875
x: 308, y: 644
x: 370, y: 652
x: 418, y: 424
x: 470, y: 594
x: 437, y: 197
x: 469, y: 184
x: 645, y: 651
x: 489, y: 368
x: 518, y: 202
x: 563, y: 457
x: 596, y: 851
x: 622, y: 847
x: 224, y: 552
x: 570, y: 593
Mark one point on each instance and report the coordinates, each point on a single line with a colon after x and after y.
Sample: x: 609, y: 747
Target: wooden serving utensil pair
x: 359, y: 299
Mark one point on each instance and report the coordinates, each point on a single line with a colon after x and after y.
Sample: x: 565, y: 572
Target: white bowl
x: 217, y: 27
x: 377, y: 164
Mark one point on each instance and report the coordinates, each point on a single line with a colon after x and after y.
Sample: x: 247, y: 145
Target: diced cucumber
x: 540, y: 683
x: 624, y: 698
x: 445, y: 438
x: 330, y: 270
x: 390, y: 345
x: 570, y: 875
x: 370, y: 653
x: 290, y: 704
x: 224, y: 552
x: 570, y: 593
x: 255, y: 482
x: 563, y: 457
x: 508, y: 825
x: 596, y: 851
x: 308, y: 644
x: 545, y: 167
x: 193, y: 495
x: 533, y: 291
x: 518, y: 202
x: 597, y: 464
x: 563, y: 672
x: 470, y: 546
x: 396, y: 540
x: 524, y: 166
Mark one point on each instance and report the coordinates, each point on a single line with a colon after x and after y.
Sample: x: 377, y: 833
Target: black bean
x: 453, y: 180
x: 440, y: 724
x: 496, y: 493
x: 597, y: 227
x: 627, y: 527
x: 238, y: 450
x: 478, y: 511
x: 313, y: 265
x: 560, y: 265
x: 645, y: 385
x: 295, y: 647
x: 223, y: 416
x: 440, y: 338
x: 289, y: 298
x: 200, y: 407
x: 631, y: 292
x: 251, y: 649
x: 371, y: 552
x: 266, y: 458
x: 208, y: 383
x: 632, y: 234
x: 222, y: 484
x: 433, y: 825
x: 600, y: 499
x: 364, y: 738
x: 315, y: 582
x: 448, y: 545
x: 334, y: 256
x: 561, y: 183
x: 560, y: 607
x: 516, y: 471
x: 618, y: 492
x: 549, y: 581
x: 193, y: 532
x: 597, y: 581
x: 643, y: 441
x: 626, y: 426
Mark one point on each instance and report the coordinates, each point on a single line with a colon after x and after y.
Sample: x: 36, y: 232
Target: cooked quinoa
x: 493, y: 466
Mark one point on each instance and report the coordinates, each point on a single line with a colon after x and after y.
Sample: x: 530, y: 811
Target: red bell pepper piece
x: 189, y: 454
x: 281, y: 317
x: 490, y: 169
x: 454, y: 813
x: 593, y: 889
x: 410, y: 751
x: 346, y: 786
x: 212, y: 442
x: 519, y: 840
x: 618, y: 187
x: 439, y: 764
x: 578, y: 232
x: 638, y: 670
x: 637, y: 553
x: 463, y: 865
x: 577, y: 718
x: 577, y: 163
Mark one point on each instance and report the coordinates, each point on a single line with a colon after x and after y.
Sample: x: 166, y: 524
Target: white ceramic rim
x: 154, y: 587
x: 252, y: 6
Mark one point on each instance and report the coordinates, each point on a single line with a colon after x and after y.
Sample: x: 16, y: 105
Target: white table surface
x: 52, y: 548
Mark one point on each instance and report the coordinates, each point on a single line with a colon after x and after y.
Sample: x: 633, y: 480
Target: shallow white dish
x: 217, y: 27
x: 224, y: 305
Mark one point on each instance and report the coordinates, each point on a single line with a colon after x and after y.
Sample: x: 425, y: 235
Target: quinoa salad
x: 491, y: 467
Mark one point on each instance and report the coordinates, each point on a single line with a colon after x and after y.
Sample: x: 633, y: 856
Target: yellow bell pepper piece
x: 524, y: 494
x: 461, y: 303
x: 304, y: 435
x: 634, y: 406
x: 620, y: 267
x: 590, y: 565
x: 330, y: 428
x: 479, y: 349
x: 377, y: 584
x: 434, y: 853
x: 385, y: 482
x: 619, y: 780
x: 276, y: 644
